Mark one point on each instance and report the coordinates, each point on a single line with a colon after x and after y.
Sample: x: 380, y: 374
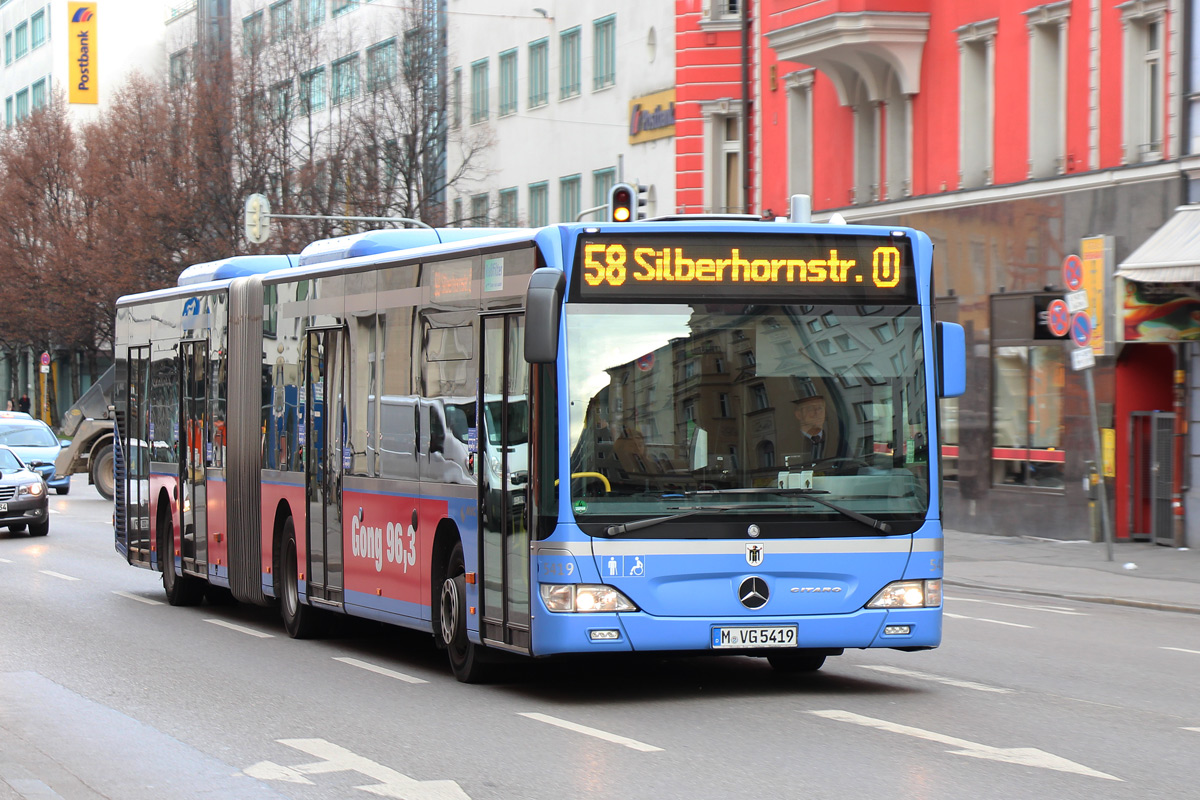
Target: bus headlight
x: 584, y: 597
x: 908, y: 594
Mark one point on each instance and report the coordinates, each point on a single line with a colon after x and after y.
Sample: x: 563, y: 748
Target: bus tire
x: 181, y: 590
x: 796, y: 662
x: 301, y: 621
x: 102, y: 472
x: 467, y: 660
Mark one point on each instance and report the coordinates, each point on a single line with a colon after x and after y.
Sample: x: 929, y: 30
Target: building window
x: 1047, y: 88
x: 312, y: 13
x: 8, y: 48
x: 726, y: 410
x: 458, y: 213
x: 724, y: 10
x: 381, y: 65
x: 8, y: 111
x: 479, y: 210
x: 1145, y: 79
x: 479, y: 91
x: 766, y: 455
x: 507, y: 217
x: 539, y: 73
x: 456, y: 98
x: 340, y: 7
x: 800, y: 130
x: 761, y: 399
x: 281, y: 20
x: 508, y: 82
x: 723, y: 170
x: 252, y: 34
x: 976, y: 103
x: 37, y: 29
x: 312, y: 90
x: 1027, y: 415
x: 569, y: 66
x: 605, y: 52
x: 539, y: 204
x: 281, y: 101
x: 22, y: 104
x: 345, y: 79
x: 21, y: 39
x: 602, y: 183
x: 37, y: 94
x: 179, y: 68
x: 568, y: 198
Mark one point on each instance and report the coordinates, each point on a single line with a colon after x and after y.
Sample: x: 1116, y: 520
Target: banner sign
x: 83, y: 74
x: 652, y: 117
x: 1160, y: 313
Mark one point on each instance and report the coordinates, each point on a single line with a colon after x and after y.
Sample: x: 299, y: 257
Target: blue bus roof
x: 389, y: 240
x: 233, y: 267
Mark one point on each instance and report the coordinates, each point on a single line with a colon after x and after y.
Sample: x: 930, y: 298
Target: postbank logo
x: 83, y: 73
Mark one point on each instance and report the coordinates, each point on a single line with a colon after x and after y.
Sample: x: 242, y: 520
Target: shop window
x: 1027, y: 416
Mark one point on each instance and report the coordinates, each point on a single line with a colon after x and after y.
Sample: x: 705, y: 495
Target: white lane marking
x: 599, y: 734
x: 1025, y: 756
x: 4, y: 561
x: 1197, y: 730
x: 925, y: 676
x: 339, y: 759
x: 1182, y: 650
x: 58, y: 575
x: 32, y: 789
x: 145, y: 600
x: 985, y: 619
x: 1049, y: 609
x: 241, y: 629
x: 391, y: 673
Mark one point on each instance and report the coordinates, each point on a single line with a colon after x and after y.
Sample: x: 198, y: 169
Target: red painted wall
x: 1143, y: 383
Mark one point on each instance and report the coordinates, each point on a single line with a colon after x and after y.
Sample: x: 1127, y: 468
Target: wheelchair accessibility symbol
x: 625, y: 567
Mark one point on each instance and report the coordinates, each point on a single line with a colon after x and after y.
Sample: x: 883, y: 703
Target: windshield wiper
x: 807, y: 494
x: 637, y: 525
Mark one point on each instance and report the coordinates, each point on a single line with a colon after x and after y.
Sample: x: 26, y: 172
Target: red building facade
x: 1015, y: 133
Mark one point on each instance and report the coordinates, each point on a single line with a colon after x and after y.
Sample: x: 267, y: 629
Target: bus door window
x: 325, y: 458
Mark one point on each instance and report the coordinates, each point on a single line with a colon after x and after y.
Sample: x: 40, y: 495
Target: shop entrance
x: 1151, y: 476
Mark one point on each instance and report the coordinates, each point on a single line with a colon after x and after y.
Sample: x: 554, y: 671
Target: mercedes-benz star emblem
x: 754, y: 592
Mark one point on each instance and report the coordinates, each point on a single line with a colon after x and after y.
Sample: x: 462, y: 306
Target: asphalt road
x: 107, y: 692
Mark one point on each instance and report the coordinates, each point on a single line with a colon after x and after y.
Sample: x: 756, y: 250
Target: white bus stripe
x: 925, y: 676
x: 58, y: 575
x: 985, y: 619
x: 599, y: 734
x: 390, y: 673
x: 145, y: 600
x: 240, y: 629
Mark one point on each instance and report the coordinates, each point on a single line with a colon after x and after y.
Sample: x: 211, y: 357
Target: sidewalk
x: 1141, y: 574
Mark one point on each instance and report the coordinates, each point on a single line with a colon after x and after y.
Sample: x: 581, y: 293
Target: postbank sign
x: 652, y: 117
x: 83, y: 73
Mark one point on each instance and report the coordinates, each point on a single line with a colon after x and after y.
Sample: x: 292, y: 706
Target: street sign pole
x: 1105, y: 523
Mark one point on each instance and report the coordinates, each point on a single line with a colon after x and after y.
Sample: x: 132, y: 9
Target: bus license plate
x: 756, y: 636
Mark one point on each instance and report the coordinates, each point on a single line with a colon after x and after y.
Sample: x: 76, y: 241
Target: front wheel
x: 301, y: 621
x: 181, y: 590
x: 102, y: 472
x: 466, y: 658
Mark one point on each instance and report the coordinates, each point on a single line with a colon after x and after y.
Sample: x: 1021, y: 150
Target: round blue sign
x: 1081, y: 329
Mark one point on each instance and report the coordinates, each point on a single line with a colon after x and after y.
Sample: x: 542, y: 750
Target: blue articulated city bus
x: 703, y: 435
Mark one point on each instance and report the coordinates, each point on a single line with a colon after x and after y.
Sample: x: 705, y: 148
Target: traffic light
x: 621, y: 203
x: 641, y: 200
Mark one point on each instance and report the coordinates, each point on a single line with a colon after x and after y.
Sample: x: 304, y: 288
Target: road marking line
x: 336, y: 758
x: 58, y: 575
x: 241, y: 629
x: 985, y: 619
x: 145, y: 600
x: 908, y: 673
x: 4, y: 561
x: 1049, y: 609
x: 599, y: 734
x: 1197, y: 730
x: 391, y: 673
x: 1025, y: 756
x: 1183, y: 650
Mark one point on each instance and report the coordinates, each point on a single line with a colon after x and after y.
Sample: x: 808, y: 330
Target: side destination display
x: 818, y: 267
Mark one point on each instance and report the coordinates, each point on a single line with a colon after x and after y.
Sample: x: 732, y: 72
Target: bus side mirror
x: 543, y: 307
x: 952, y: 359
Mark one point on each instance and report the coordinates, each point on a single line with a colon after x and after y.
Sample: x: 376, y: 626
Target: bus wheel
x: 181, y: 590
x: 466, y: 660
x: 300, y: 620
x: 102, y: 472
x: 797, y: 662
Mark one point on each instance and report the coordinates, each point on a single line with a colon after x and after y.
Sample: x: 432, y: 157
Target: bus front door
x: 325, y: 437
x: 503, y: 453
x: 193, y: 524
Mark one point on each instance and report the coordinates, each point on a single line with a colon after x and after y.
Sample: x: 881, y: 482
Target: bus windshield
x: 699, y: 405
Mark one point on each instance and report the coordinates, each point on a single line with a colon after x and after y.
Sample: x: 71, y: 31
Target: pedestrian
x: 10, y: 405
x: 23, y: 404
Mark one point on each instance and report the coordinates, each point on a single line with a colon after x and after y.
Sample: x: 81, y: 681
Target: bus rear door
x: 325, y: 437
x: 193, y: 398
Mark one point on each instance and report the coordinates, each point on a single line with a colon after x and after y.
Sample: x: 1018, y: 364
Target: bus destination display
x: 805, y: 267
